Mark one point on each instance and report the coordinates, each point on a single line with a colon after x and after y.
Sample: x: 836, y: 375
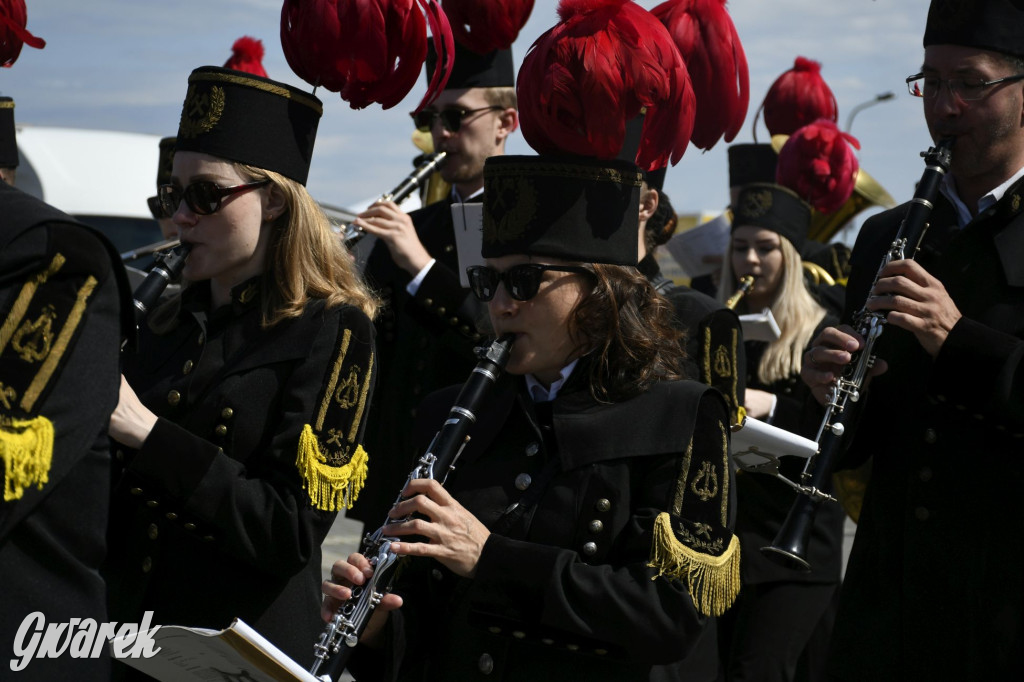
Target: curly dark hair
x: 626, y: 330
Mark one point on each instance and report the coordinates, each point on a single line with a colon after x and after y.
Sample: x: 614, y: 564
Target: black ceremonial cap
x: 257, y: 121
x: 472, y: 70
x: 775, y: 208
x: 567, y: 207
x: 751, y: 163
x: 996, y: 25
x: 165, y: 165
x: 8, y: 141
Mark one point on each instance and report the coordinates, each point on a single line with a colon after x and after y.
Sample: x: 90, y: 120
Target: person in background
x: 429, y: 325
x: 766, y: 635
x: 163, y: 176
x: 241, y: 417
x: 933, y: 587
x: 63, y: 299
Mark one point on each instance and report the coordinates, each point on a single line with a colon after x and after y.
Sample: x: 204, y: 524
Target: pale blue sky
x: 123, y: 65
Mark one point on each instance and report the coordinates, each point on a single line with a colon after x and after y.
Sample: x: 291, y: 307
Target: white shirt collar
x: 458, y: 199
x: 539, y: 394
x: 963, y: 214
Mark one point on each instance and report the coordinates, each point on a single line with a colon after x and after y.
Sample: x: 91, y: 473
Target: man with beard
x: 429, y: 325
x: 934, y: 588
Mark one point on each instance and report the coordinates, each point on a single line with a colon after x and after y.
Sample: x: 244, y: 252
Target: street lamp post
x: 864, y: 105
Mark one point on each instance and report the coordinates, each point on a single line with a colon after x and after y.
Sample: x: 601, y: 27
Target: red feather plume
x: 817, y: 163
x: 487, y: 25
x: 797, y: 97
x: 603, y: 65
x: 13, y: 19
x: 366, y: 50
x: 247, y: 56
x: 707, y: 39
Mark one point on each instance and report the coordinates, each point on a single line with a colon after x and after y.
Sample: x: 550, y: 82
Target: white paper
x: 238, y: 652
x: 468, y: 220
x: 694, y: 248
x: 757, y: 446
x: 760, y: 326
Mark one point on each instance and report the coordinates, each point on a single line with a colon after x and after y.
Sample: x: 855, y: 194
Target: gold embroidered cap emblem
x: 755, y: 204
x: 201, y: 112
x: 513, y: 206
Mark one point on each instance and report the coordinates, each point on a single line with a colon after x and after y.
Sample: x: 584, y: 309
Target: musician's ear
x: 274, y: 202
x: 509, y: 119
x: 648, y: 203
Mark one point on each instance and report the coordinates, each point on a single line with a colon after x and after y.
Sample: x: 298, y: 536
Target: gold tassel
x: 330, y: 488
x: 27, y: 450
x: 713, y: 581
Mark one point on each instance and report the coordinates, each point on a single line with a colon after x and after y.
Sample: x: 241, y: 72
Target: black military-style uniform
x: 61, y: 293
x: 222, y: 512
x: 425, y: 342
x: 779, y: 609
x: 715, y: 352
x: 934, y: 587
x: 565, y: 589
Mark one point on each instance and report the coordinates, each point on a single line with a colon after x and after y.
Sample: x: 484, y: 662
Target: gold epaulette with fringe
x: 332, y: 463
x: 712, y: 580
x: 26, y: 447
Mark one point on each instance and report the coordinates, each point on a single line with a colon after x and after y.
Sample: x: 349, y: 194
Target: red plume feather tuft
x: 707, y: 39
x: 247, y: 56
x: 797, y: 97
x: 817, y: 163
x: 603, y: 65
x: 13, y: 19
x: 366, y: 50
x: 486, y: 26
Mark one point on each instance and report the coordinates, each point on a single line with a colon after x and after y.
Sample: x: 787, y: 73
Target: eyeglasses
x: 157, y: 208
x: 521, y: 281
x: 965, y: 89
x: 202, y: 197
x: 451, y: 119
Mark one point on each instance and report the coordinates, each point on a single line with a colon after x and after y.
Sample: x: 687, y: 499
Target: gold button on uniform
x: 171, y: 516
x: 173, y: 398
x: 153, y: 532
x: 603, y: 505
x: 921, y: 514
x: 221, y: 430
x: 930, y: 436
x: 590, y: 549
x: 596, y: 526
x: 190, y: 526
x: 485, y: 664
x: 187, y: 367
x: 147, y: 565
x: 227, y: 413
x: 523, y: 481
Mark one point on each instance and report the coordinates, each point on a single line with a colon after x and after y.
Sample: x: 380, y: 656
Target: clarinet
x: 843, y: 399
x: 354, y: 233
x: 167, y: 270
x: 353, y: 616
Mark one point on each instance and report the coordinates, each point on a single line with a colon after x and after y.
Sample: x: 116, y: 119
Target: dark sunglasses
x: 157, y: 208
x: 451, y: 119
x: 521, y: 281
x: 202, y: 197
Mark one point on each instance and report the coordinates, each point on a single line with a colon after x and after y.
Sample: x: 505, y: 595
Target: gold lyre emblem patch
x: 1015, y: 203
x: 513, y: 206
x: 347, y: 394
x: 723, y: 362
x: 705, y: 483
x: 201, y: 112
x: 33, y: 339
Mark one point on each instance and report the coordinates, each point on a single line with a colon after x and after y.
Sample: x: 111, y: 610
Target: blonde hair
x: 305, y: 260
x: 795, y: 310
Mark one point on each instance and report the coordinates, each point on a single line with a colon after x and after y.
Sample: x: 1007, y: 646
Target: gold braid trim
x: 26, y: 446
x: 713, y: 581
x: 330, y: 487
x: 24, y: 298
